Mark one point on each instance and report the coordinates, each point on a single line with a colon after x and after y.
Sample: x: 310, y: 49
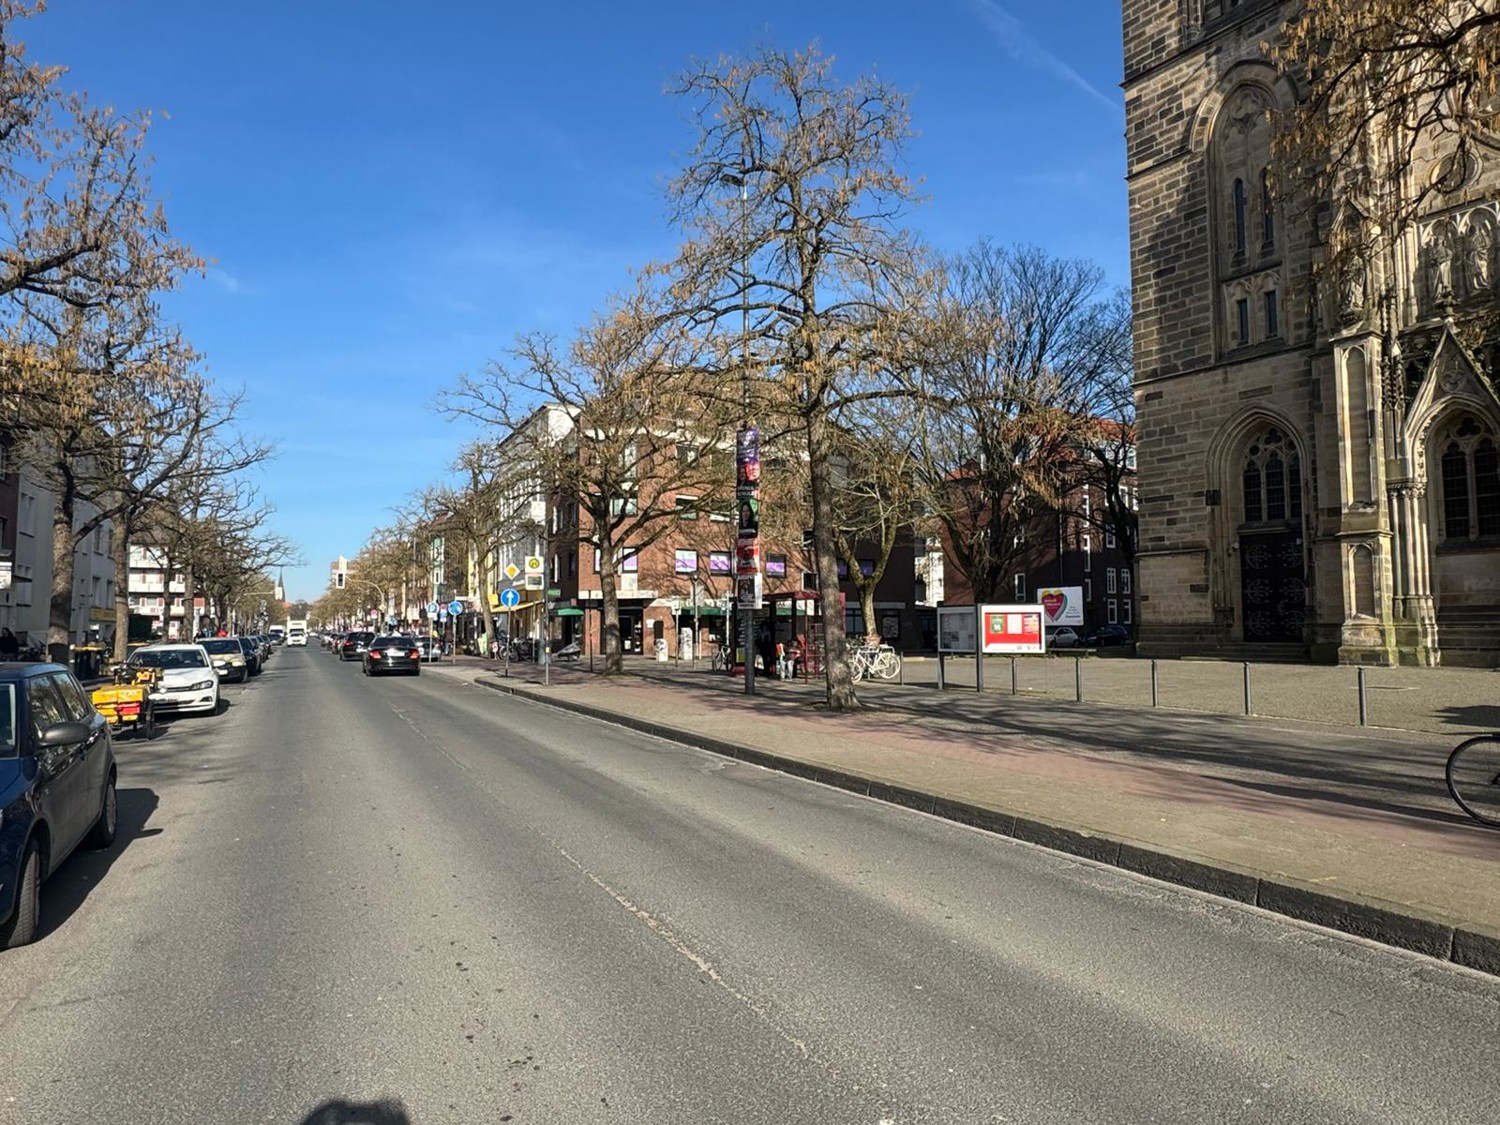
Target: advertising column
x: 747, y: 578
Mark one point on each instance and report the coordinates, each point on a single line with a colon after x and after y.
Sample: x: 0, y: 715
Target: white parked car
x: 1064, y: 636
x: 188, y: 679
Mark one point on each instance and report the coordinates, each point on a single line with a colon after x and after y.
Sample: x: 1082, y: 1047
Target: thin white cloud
x: 1017, y: 42
x: 225, y: 280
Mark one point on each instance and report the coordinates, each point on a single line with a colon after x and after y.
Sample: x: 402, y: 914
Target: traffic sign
x: 512, y: 571
x: 533, y: 564
x: 455, y: 607
x: 510, y: 597
x: 554, y: 592
x: 432, y: 609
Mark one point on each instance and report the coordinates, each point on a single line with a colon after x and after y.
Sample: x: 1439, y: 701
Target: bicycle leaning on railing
x: 1474, y: 778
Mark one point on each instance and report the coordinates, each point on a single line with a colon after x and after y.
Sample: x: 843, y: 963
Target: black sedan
x: 57, y: 786
x: 1108, y: 636
x: 353, y: 646
x: 251, y: 650
x: 393, y: 654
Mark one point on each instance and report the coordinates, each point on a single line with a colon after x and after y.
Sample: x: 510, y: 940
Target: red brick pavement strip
x: 1397, y: 880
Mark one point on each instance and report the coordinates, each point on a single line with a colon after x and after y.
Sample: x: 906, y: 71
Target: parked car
x: 228, y: 658
x: 353, y: 646
x: 392, y: 654
x: 252, y: 654
x: 57, y: 782
x: 431, y: 648
x: 1108, y: 636
x: 188, y: 679
x: 1064, y: 636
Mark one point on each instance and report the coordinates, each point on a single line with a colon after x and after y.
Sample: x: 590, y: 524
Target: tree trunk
x: 867, y: 608
x: 614, y: 656
x: 60, y: 610
x: 840, y: 684
x: 121, y: 554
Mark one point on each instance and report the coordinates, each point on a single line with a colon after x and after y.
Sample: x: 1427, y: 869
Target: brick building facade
x: 1317, y: 461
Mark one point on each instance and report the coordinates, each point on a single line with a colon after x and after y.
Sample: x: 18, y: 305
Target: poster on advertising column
x: 1012, y: 629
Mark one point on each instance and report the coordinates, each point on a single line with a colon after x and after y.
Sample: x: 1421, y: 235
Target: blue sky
x: 390, y: 192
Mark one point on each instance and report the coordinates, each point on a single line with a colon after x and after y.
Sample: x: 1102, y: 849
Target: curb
x: 1386, y: 923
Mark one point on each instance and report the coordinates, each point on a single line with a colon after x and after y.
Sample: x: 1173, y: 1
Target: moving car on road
x: 188, y: 679
x: 392, y: 654
x: 57, y: 785
x: 353, y: 646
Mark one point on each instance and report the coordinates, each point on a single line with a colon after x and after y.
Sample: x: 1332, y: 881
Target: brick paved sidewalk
x: 1345, y: 828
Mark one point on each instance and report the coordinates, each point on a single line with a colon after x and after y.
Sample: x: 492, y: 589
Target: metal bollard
x: 1248, y: 709
x: 1078, y: 679
x: 1364, y: 712
x: 1155, y: 686
x: 1014, y: 685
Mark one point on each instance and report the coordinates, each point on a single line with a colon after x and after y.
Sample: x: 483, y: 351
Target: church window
x: 1271, y: 480
x: 1239, y: 216
x: 1273, y: 315
x: 1242, y: 315
x: 1267, y: 213
x: 1471, y: 482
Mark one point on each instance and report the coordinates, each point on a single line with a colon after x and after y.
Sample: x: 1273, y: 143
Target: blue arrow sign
x: 455, y: 607
x: 510, y: 598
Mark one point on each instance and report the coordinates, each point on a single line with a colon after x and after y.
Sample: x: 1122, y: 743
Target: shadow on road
x: 81, y: 872
x: 340, y: 1112
x: 1479, y: 715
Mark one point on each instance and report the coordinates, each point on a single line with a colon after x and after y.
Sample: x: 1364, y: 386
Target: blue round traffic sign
x: 510, y: 598
x: 455, y: 607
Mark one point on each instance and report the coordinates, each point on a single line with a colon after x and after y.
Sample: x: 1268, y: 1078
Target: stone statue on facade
x: 1352, y: 288
x: 1481, y: 242
x: 1440, y: 264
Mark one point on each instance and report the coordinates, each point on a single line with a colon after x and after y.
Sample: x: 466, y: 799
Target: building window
x: 1109, y: 535
x: 1267, y: 214
x: 687, y: 507
x: 719, y: 562
x: 685, y: 561
x: 809, y: 579
x: 1273, y: 316
x: 775, y: 566
x: 572, y: 564
x: 1271, y: 482
x: 1112, y: 611
x: 867, y: 568
x: 1242, y: 320
x: 1124, y: 580
x: 1018, y: 584
x: 596, y: 560
x: 1088, y: 553
x: 1471, y: 482
x: 1125, y: 612
x: 631, y: 562
x: 27, y: 514
x: 721, y: 515
x: 1239, y: 216
x: 1109, y: 580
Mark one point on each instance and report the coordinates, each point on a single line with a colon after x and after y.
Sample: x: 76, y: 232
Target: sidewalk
x: 1347, y: 828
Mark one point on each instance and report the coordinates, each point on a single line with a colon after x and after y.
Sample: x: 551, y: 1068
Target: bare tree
x: 1388, y: 83
x: 1016, y: 358
x: 804, y: 260
x: 619, y: 424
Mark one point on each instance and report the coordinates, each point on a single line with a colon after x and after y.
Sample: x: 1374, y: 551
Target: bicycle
x: 1473, y: 776
x: 716, y: 659
x: 880, y: 661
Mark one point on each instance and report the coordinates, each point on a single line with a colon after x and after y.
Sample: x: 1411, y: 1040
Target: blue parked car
x: 57, y: 786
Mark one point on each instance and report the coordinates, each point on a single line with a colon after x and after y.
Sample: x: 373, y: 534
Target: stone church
x: 1317, y: 458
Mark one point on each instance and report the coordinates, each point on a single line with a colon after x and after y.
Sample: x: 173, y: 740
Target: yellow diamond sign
x: 511, y: 571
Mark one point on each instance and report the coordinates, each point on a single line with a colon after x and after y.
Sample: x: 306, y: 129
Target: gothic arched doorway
x: 1273, y: 567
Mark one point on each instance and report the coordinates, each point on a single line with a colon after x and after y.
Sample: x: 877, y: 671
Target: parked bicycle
x: 1474, y: 778
x: 877, y: 661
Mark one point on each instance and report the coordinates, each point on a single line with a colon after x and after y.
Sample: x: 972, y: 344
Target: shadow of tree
x: 1478, y: 715
x: 341, y: 1112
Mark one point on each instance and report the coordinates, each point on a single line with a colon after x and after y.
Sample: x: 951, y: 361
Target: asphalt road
x: 413, y: 902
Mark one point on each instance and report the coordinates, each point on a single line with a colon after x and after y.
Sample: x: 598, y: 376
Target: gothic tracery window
x: 1271, y: 480
x: 1470, y: 470
x: 1247, y: 242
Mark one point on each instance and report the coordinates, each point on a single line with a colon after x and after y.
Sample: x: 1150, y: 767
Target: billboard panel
x: 1063, y: 605
x: 1012, y: 628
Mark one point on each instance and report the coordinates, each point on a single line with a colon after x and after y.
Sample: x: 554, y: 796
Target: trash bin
x: 685, y: 644
x: 661, y: 650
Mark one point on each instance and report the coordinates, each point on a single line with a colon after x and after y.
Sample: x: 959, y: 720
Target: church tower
x: 1317, y: 454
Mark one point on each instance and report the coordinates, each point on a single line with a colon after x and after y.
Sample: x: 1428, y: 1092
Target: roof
x: 13, y: 670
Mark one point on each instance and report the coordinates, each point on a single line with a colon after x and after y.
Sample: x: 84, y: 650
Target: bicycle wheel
x: 888, y: 664
x: 1474, y: 778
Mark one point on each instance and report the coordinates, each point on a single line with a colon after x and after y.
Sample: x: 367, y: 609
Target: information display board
x: 1012, y: 628
x: 957, y: 628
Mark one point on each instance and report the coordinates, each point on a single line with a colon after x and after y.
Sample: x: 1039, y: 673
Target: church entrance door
x: 1273, y: 586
